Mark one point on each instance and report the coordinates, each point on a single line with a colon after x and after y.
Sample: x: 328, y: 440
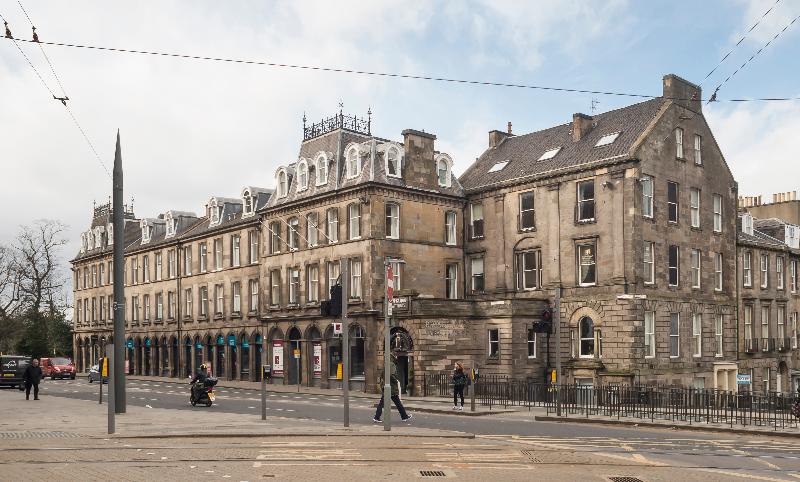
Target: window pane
x: 586, y: 258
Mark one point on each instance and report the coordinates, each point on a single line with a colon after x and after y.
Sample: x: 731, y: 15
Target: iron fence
x: 643, y: 402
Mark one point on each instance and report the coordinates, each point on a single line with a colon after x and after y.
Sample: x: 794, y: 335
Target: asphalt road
x: 723, y: 456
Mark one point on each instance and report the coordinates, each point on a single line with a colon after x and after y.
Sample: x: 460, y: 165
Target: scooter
x: 203, y: 392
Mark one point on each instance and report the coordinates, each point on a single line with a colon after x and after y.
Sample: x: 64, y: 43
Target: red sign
x: 389, y: 282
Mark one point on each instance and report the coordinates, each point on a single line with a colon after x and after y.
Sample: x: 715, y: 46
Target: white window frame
x: 294, y: 285
x: 647, y: 197
x: 694, y: 207
x: 781, y: 323
x: 718, y: 335
x: 253, y: 252
x: 748, y: 323
x: 275, y: 287
x: 476, y: 214
x: 312, y: 229
x: 219, y: 299
x: 649, y: 267
x: 531, y: 343
x: 333, y: 272
x: 236, y: 250
x: 354, y: 221
x: 204, y: 301
x: 675, y: 334
x: 187, y: 303
x: 203, y: 257
x: 494, y: 343
x: 218, y: 254
x: 764, y: 270
x: 332, y: 223
x: 451, y: 281
x: 581, y: 201
x: 274, y: 237
x: 696, y: 267
x: 675, y: 203
x: 282, y: 183
x: 352, y: 164
x: 579, y: 248
x: 397, y: 271
x: 794, y: 330
x: 697, y: 335
x: 392, y: 219
x: 536, y: 269
x: 717, y: 206
x: 779, y: 275
x: 159, y: 306
x: 443, y: 161
x: 450, y: 220
x: 679, y: 143
x: 355, y: 279
x: 475, y: 274
x: 293, y: 234
x: 747, y: 269
x: 649, y: 334
x: 321, y: 170
x: 581, y: 338
x: 312, y: 274
x: 698, y: 149
x: 236, y: 297
x: 302, y: 175
x: 398, y: 162
x: 765, y: 313
x: 718, y: 266
x: 253, y: 287
x: 187, y: 259
x: 676, y: 267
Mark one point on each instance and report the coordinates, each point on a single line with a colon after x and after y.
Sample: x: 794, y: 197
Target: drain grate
x: 38, y: 435
x: 432, y: 473
x: 625, y: 478
x: 531, y: 456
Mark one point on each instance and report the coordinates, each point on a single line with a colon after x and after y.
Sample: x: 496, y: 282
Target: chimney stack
x: 581, y: 125
x: 682, y: 92
x: 509, y: 128
x: 497, y: 137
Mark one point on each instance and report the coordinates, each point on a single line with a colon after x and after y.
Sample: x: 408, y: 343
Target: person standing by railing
x: 460, y: 380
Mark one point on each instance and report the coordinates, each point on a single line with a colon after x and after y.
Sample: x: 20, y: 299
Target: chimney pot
x: 509, y: 127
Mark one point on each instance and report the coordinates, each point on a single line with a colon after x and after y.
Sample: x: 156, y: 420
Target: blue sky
x: 193, y: 129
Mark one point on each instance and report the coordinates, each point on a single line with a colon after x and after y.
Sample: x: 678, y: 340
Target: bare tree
x: 40, y: 273
x: 10, y: 304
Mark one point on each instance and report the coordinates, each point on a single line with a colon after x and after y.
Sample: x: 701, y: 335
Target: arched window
x: 443, y: 167
x: 283, y: 187
x: 322, y: 169
x: 352, y: 162
x: 248, y: 202
x: 586, y: 332
x: 302, y: 175
x: 393, y: 162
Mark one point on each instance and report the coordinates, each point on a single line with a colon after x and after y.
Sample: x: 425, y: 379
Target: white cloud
x: 753, y: 10
x: 759, y: 142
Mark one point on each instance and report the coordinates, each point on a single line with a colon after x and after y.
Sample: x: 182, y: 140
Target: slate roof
x: 337, y: 178
x: 761, y: 240
x: 524, y: 151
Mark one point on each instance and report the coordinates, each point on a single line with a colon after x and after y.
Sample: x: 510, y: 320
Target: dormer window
x: 84, y: 242
x: 353, y: 168
x: 393, y: 162
x: 89, y: 240
x: 443, y: 167
x: 283, y: 183
x: 322, y: 169
x: 747, y: 224
x: 98, y: 237
x: 302, y: 175
x: 248, y: 203
x: 147, y: 232
x: 172, y: 225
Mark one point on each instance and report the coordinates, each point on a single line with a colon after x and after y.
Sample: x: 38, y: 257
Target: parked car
x: 94, y: 374
x: 58, y: 368
x: 12, y: 369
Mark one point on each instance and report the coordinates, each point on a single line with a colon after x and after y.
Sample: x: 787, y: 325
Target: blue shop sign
x: 245, y: 344
x: 258, y: 339
x: 147, y: 342
x: 199, y: 346
x: 220, y: 340
x: 231, y: 340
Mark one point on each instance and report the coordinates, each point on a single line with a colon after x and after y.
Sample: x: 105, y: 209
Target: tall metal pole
x: 112, y: 427
x: 557, y: 321
x: 118, y: 369
x: 387, y: 362
x: 263, y: 381
x: 344, y: 269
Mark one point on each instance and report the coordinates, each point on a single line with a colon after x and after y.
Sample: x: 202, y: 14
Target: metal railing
x: 643, y: 402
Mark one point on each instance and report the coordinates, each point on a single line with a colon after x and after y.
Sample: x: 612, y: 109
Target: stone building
x: 625, y: 220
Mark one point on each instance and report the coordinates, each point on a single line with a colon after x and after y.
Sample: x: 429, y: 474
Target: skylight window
x: 549, y: 154
x: 499, y: 166
x: 607, y: 139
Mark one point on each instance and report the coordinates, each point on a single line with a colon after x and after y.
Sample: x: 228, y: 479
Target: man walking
x: 32, y: 377
x: 395, y: 393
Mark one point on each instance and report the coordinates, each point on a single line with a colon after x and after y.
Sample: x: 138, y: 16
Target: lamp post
x: 387, y: 328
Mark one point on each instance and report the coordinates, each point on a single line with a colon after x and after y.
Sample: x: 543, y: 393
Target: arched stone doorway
x: 276, y: 355
x: 129, y: 356
x: 146, y: 356
x: 174, y: 358
x: 402, y: 345
x: 79, y: 356
x: 258, y: 350
x: 244, y: 344
x: 219, y: 356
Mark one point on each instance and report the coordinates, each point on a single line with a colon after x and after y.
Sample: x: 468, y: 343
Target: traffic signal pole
x: 344, y: 269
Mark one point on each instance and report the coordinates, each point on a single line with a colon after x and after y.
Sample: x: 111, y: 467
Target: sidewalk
x: 438, y: 405
x: 67, y: 417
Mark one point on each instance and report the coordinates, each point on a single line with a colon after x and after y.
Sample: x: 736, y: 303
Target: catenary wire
x: 388, y: 74
x: 739, y: 42
x: 71, y: 114
x: 756, y: 54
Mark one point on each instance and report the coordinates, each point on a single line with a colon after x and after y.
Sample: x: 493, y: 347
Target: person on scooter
x: 201, y: 377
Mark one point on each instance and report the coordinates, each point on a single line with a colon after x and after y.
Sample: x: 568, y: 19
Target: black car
x: 12, y: 369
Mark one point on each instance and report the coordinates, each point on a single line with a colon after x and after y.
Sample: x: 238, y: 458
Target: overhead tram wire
x: 387, y: 74
x: 71, y: 114
x: 756, y: 54
x: 738, y: 43
x: 52, y: 69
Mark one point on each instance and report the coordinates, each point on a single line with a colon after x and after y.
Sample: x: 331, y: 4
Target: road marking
x: 737, y: 474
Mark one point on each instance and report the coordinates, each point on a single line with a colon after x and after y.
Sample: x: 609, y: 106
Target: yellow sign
x: 339, y: 371
x: 296, y: 353
x: 553, y: 376
x: 104, y: 371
